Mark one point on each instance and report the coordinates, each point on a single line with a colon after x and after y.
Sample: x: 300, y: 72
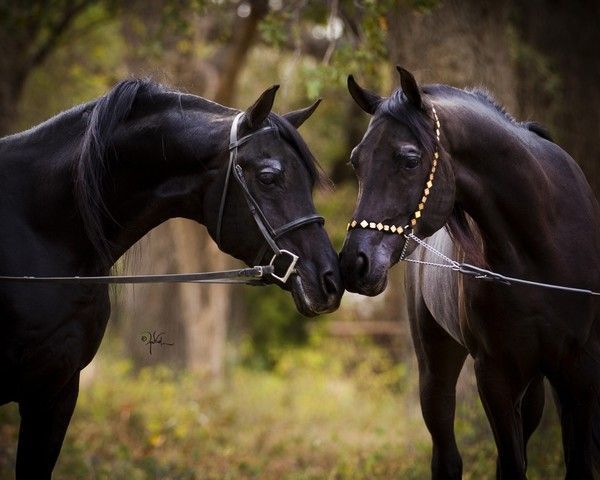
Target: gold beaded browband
x: 413, y: 221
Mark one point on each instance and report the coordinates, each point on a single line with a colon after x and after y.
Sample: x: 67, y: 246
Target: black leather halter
x: 270, y: 234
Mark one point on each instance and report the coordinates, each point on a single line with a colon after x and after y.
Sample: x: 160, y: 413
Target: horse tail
x: 91, y: 168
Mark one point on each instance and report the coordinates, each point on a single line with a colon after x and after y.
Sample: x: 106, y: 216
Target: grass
x: 339, y: 409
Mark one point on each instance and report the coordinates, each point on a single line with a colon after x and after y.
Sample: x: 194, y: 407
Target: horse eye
x: 408, y: 158
x: 411, y: 161
x: 267, y: 176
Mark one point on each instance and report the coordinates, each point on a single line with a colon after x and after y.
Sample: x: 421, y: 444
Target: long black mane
x: 419, y: 124
x: 486, y: 97
x: 91, y: 169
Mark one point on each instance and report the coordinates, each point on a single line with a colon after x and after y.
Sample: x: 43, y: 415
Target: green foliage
x: 78, y: 72
x: 360, y: 48
x: 274, y: 324
x: 38, y: 28
x: 337, y: 206
x: 274, y: 29
x: 424, y: 6
x: 544, y: 83
x: 337, y: 410
x: 540, y: 66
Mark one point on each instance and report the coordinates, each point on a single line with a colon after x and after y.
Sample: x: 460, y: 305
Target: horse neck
x: 526, y: 195
x: 165, y: 159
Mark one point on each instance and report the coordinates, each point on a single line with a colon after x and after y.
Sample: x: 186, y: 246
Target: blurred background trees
x: 229, y: 51
x: 541, y: 59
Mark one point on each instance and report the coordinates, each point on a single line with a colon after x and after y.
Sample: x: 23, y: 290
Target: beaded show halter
x: 398, y: 229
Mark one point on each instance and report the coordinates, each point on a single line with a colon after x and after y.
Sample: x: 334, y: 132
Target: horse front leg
x: 440, y: 359
x: 501, y: 393
x: 44, y: 424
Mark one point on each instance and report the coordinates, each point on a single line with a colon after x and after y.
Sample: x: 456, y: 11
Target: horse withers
x: 81, y: 188
x: 452, y: 165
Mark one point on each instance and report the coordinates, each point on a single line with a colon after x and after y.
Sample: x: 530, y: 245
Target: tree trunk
x: 559, y: 63
x: 464, y: 43
x: 204, y: 308
x: 139, y: 310
x: 10, y: 93
x: 28, y: 35
x: 200, y: 311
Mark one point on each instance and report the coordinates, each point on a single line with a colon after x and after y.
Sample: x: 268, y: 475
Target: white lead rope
x: 477, y: 272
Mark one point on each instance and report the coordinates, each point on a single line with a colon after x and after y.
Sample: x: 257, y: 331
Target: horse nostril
x: 329, y: 284
x: 362, y: 264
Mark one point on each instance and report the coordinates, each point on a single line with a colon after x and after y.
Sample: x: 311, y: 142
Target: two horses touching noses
x: 436, y: 162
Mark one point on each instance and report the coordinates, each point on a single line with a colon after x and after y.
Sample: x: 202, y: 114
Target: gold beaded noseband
x: 428, y: 186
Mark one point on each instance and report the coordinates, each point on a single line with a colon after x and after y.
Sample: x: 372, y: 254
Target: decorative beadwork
x: 428, y: 186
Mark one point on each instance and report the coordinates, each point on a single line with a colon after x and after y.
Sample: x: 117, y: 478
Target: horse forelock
x: 291, y: 135
x: 419, y: 121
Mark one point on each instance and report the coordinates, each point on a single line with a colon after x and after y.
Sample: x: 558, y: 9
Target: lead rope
x: 481, y: 273
x: 452, y: 264
x: 248, y: 276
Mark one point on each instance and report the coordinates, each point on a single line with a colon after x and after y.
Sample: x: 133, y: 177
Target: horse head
x: 405, y: 183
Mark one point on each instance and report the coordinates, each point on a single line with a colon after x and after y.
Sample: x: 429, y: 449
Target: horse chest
x: 463, y: 307
x: 439, y: 288
x: 50, y: 335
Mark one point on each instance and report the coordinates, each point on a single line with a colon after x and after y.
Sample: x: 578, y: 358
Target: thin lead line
x: 482, y: 273
x: 243, y: 275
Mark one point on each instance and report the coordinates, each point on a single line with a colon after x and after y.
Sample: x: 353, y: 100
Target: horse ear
x: 410, y: 87
x: 258, y: 112
x: 367, y: 100
x: 298, y: 117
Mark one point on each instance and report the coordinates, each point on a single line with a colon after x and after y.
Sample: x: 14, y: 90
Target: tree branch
x: 231, y: 59
x: 56, y: 31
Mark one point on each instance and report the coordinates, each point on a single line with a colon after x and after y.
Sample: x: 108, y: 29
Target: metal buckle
x: 291, y: 268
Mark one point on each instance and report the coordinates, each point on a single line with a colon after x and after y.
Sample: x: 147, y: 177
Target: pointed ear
x: 258, y: 112
x: 298, y: 117
x: 367, y: 100
x: 410, y: 87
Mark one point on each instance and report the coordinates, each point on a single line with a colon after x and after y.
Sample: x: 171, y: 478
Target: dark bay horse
x: 453, y: 166
x: 78, y: 190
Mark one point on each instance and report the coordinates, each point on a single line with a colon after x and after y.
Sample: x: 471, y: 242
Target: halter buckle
x: 290, y: 269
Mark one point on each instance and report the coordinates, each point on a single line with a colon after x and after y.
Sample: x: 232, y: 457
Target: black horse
x: 78, y: 190
x: 509, y: 199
